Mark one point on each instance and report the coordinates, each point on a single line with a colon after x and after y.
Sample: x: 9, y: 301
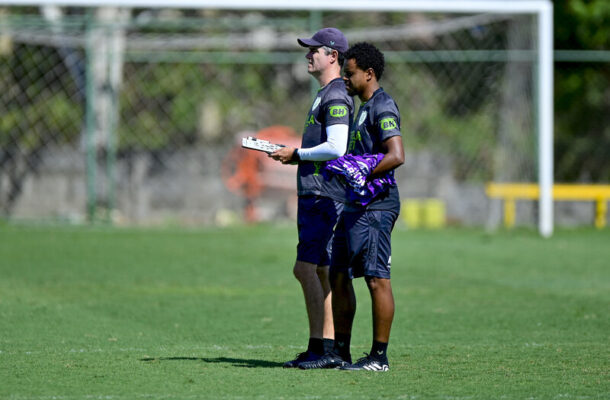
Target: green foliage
x: 8, y: 122
x: 582, y: 93
x: 158, y: 106
x: 184, y: 110
x: 161, y: 101
x: 41, y: 106
x: 144, y: 131
x: 56, y: 118
x: 593, y: 22
x: 427, y: 124
x: 65, y: 114
x: 124, y: 314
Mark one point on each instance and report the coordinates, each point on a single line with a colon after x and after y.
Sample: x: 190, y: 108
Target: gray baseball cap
x: 331, y: 37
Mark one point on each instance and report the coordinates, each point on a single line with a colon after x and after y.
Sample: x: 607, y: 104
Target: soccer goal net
x: 129, y: 107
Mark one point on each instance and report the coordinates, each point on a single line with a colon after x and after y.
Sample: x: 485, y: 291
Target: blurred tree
x: 582, y: 93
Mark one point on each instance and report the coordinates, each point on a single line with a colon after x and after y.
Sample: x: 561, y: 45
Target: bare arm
x: 393, y: 158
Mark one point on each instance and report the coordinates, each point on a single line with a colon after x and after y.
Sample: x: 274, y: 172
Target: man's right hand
x: 284, y: 155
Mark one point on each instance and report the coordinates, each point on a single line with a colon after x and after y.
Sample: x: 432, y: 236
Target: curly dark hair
x: 367, y: 56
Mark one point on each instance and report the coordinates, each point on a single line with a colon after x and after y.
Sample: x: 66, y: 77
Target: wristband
x: 295, y: 155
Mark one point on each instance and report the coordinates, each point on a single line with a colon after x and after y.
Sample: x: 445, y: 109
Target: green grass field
x: 96, y: 313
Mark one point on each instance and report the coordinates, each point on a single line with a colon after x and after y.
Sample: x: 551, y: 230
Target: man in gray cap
x: 320, y: 201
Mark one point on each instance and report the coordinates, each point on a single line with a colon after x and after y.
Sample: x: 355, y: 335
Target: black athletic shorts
x: 362, y: 243
x: 316, y: 219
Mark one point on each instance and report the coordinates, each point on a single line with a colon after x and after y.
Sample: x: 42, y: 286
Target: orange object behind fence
x: 249, y: 173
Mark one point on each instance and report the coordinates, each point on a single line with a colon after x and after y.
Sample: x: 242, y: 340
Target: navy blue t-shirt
x: 377, y: 120
x: 331, y: 106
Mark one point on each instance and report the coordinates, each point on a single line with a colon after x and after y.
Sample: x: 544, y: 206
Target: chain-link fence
x: 130, y: 115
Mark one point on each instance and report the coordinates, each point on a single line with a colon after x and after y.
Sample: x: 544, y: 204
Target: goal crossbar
x: 467, y: 6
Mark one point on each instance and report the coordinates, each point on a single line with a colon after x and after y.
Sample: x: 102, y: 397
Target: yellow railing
x: 510, y: 192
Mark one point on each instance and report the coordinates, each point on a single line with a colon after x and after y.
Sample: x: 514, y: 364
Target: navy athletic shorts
x: 316, y: 219
x: 362, y: 243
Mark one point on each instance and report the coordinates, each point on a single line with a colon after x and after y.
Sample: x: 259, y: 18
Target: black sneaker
x: 367, y: 363
x: 301, y: 357
x: 328, y: 360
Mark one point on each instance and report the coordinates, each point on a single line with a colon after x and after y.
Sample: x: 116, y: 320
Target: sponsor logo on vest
x: 387, y: 124
x: 310, y: 121
x: 318, y: 165
x: 338, y: 111
x: 362, y: 118
x: 354, y: 137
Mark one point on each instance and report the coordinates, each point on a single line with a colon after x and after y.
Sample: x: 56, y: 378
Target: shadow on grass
x: 236, y: 362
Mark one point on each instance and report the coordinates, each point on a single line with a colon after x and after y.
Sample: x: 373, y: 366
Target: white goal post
x: 542, y: 10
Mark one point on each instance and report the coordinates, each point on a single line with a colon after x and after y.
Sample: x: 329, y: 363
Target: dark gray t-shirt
x: 331, y: 106
x: 377, y: 120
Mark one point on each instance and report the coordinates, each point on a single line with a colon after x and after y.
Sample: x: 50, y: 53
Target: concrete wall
x: 186, y: 187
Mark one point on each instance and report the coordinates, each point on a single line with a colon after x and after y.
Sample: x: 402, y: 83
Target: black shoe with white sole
x: 368, y: 363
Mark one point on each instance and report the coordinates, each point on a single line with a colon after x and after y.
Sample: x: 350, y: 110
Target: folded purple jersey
x: 356, y: 170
